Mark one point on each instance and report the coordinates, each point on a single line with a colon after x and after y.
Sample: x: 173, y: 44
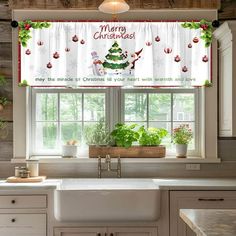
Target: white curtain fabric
x: 73, y: 54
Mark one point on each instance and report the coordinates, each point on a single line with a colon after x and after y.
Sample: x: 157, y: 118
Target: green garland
x: 206, y: 30
x: 24, y: 30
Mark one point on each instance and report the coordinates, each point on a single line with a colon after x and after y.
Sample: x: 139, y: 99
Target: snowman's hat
x: 137, y: 53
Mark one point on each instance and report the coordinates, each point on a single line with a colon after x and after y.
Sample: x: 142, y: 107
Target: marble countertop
x: 163, y: 184
x: 210, y: 222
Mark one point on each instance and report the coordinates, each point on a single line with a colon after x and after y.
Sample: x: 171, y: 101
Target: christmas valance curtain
x: 113, y: 54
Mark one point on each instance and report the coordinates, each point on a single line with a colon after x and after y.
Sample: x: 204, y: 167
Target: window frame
x: 197, y: 120
x: 114, y: 110
x: 32, y: 113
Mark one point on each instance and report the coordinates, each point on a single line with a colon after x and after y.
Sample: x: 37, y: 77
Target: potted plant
x: 125, y: 136
x: 182, y: 136
x: 69, y: 150
x: 98, y: 135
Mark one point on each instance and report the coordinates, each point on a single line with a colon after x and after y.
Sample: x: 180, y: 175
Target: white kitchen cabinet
x: 196, y: 200
x: 23, y: 215
x: 226, y: 35
x: 109, y: 231
x: 23, y: 224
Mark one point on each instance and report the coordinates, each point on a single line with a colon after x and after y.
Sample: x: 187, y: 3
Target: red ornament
x: 67, y: 49
x: 157, y: 39
x: 177, y: 58
x: 56, y: 55
x: 82, y: 41
x: 204, y: 26
x: 148, y: 44
x: 195, y: 39
x: 75, y: 38
x: 184, y: 69
x: 49, y: 65
x: 27, y: 52
x: 27, y: 26
x: 168, y: 50
x: 190, y: 45
x: 205, y: 59
x: 40, y: 43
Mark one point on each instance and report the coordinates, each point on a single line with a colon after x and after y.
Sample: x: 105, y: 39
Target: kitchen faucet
x: 108, y: 167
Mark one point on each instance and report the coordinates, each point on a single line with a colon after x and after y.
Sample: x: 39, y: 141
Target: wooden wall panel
x: 93, y: 4
x: 7, y: 113
x: 5, y: 31
x: 6, y: 152
x: 6, y: 68
x: 5, y: 12
x: 5, y: 51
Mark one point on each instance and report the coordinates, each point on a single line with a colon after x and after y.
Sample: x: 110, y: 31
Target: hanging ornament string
x: 49, y: 65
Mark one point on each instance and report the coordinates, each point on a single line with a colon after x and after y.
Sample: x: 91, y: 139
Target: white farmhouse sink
x: 107, y: 200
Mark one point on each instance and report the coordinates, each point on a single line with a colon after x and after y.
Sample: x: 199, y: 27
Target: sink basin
x: 107, y: 200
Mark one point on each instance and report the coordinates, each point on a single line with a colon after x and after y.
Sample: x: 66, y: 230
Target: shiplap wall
x: 6, y: 145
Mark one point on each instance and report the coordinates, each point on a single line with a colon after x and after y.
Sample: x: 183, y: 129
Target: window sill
x: 168, y: 159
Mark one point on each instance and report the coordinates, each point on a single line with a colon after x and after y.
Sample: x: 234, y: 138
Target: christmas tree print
x: 116, y: 60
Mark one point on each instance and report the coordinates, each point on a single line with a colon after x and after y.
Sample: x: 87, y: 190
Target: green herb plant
x: 24, y: 30
x: 151, y: 136
x: 206, y: 30
x: 24, y: 83
x: 124, y: 135
x: 98, y: 135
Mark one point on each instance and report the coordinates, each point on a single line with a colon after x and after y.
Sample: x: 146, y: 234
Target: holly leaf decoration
x: 24, y: 30
x: 206, y: 30
x: 24, y: 83
x: 208, y: 84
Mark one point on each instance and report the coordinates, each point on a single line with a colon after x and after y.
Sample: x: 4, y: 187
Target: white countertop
x: 163, y: 184
x: 210, y: 222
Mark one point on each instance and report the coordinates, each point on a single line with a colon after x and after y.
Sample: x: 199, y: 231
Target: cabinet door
x: 131, y: 231
x: 82, y: 231
x: 23, y: 224
x: 196, y: 200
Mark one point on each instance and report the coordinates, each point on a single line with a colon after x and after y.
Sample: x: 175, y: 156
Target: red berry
x: 82, y: 41
x: 67, y: 49
x: 148, y: 44
x: 190, y: 45
x: 27, y: 52
x: 56, y: 55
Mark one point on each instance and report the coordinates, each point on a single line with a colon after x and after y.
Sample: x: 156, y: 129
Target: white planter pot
x: 181, y: 150
x: 69, y: 151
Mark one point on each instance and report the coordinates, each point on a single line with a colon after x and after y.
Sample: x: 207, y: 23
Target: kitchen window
x: 59, y: 115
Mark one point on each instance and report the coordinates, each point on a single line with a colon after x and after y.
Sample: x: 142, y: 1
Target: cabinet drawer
x: 205, y: 199
x: 21, y: 201
x: 23, y: 224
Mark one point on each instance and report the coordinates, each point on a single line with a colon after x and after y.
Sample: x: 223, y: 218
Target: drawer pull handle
x: 98, y: 234
x: 13, y: 220
x: 211, y: 199
x: 111, y: 234
x: 13, y: 201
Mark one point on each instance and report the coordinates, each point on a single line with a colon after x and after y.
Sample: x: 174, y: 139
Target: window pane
x: 183, y: 109
x: 70, y: 107
x: 46, y: 135
x: 94, y: 106
x: 46, y: 107
x: 191, y: 145
x: 160, y: 107
x: 135, y: 107
x: 71, y: 131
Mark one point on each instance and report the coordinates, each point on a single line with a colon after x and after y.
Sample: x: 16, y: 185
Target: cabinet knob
x: 13, y: 220
x: 13, y: 201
